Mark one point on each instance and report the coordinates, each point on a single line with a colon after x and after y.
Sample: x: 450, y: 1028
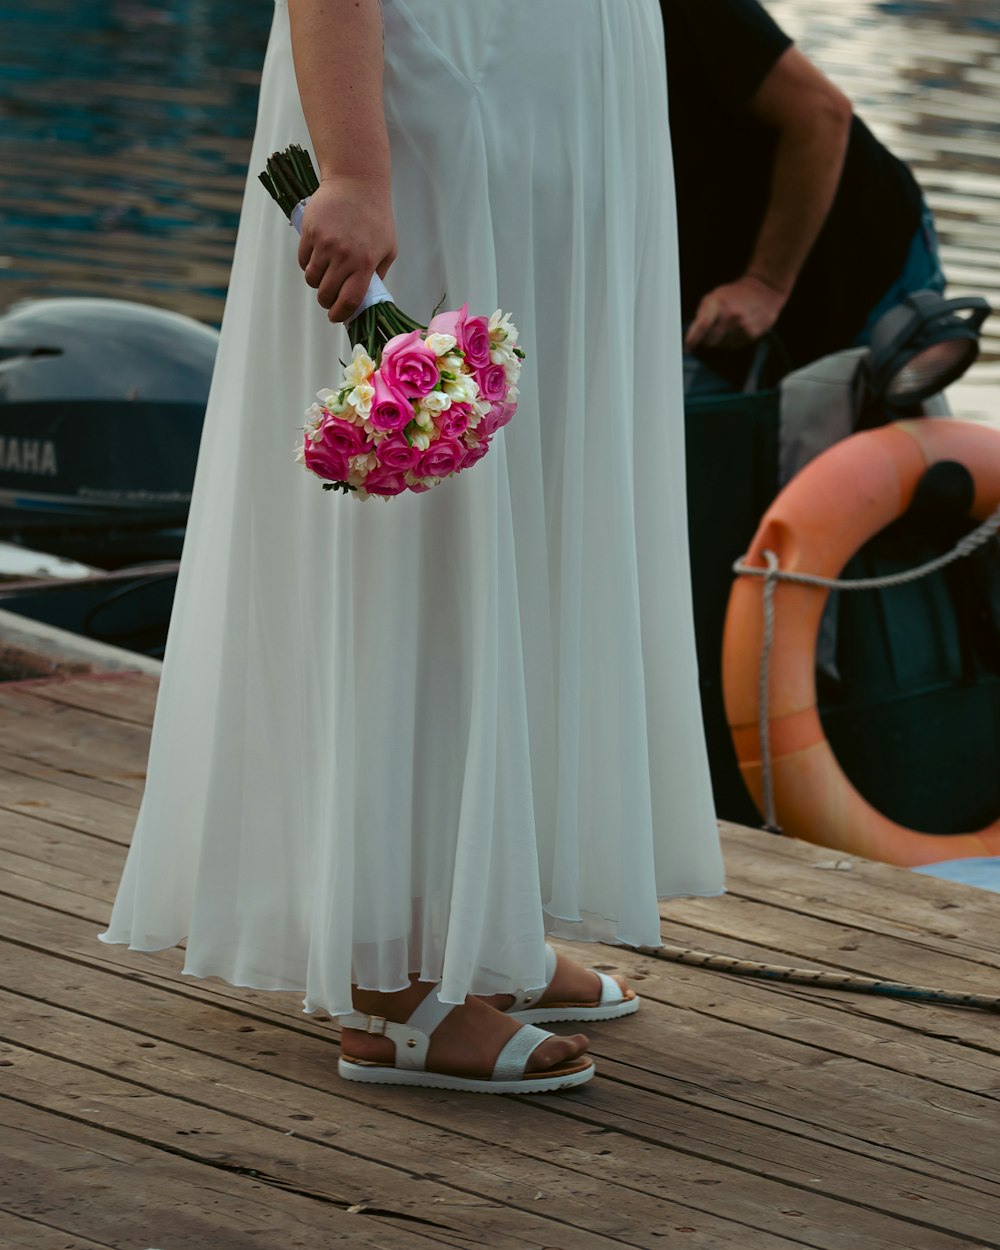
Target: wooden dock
x: 146, y: 1110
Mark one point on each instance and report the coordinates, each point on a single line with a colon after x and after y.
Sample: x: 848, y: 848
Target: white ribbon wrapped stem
x: 378, y: 292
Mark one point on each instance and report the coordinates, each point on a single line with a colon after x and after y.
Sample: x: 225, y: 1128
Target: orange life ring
x: 821, y: 519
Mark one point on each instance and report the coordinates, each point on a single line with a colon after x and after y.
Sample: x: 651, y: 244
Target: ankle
x: 398, y: 1006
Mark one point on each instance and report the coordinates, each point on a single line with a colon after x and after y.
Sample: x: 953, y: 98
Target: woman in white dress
x: 398, y: 742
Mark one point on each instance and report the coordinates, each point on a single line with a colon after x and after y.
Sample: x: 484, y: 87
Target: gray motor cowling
x: 101, y: 407
x: 103, y: 349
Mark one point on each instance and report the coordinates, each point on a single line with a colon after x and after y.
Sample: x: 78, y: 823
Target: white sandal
x: 612, y: 1005
x: 413, y: 1039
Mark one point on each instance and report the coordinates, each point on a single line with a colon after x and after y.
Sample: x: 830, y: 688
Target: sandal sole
x: 374, y: 1074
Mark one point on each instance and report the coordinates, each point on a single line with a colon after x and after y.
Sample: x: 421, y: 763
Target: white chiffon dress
x: 415, y: 735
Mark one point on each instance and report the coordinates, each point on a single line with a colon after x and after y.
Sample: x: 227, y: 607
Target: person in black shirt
x: 792, y: 216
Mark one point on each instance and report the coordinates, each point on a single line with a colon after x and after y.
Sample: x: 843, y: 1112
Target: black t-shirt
x: 718, y: 54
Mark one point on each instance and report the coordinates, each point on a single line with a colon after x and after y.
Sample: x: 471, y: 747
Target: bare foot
x: 572, y: 983
x: 466, y: 1043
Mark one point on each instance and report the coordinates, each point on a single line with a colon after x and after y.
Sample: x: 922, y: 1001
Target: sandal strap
x: 513, y: 1059
x: 611, y: 991
x: 523, y: 998
x: 412, y: 1039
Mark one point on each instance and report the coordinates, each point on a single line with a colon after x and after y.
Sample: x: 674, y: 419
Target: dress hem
x: 312, y: 1007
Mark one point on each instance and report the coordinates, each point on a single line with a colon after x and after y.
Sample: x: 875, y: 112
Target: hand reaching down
x: 348, y: 233
x: 735, y: 314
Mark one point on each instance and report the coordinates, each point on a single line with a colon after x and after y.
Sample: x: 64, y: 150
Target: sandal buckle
x: 376, y: 1025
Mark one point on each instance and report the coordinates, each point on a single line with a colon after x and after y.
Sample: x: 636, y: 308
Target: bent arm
x: 348, y: 231
x: 812, y: 121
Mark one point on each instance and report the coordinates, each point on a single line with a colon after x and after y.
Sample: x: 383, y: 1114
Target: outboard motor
x: 101, y: 408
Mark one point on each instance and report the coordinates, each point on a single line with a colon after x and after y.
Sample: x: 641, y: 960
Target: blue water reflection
x: 122, y: 122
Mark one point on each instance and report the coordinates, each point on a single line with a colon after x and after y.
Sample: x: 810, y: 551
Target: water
x: 124, y: 134
x: 125, y: 129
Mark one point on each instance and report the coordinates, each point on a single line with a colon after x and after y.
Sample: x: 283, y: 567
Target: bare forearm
x: 808, y: 164
x: 337, y: 47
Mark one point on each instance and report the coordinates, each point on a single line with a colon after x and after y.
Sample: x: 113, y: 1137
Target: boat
x: 101, y: 408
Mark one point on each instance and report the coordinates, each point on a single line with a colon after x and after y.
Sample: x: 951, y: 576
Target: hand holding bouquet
x: 416, y: 404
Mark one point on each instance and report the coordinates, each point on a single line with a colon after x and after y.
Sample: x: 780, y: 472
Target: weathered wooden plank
x: 21, y: 876
x: 58, y: 806
x: 770, y: 1011
x: 17, y: 1233
x: 828, y: 943
x: 485, y: 1195
x: 827, y: 1024
x: 888, y: 900
x: 72, y: 740
x: 125, y: 1193
x: 975, y: 1029
x: 129, y: 697
x: 634, y: 1163
x: 25, y: 763
x: 706, y: 1106
x: 54, y: 855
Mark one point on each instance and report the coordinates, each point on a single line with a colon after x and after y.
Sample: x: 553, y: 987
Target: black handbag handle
x: 770, y: 359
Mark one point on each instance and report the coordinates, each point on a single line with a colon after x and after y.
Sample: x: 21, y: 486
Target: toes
x: 624, y: 986
x: 557, y: 1050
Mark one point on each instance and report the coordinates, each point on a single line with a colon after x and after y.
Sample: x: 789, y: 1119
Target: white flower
x: 360, y: 369
x: 464, y: 390
x: 512, y: 371
x: 420, y: 440
x: 441, y: 344
x: 436, y: 401
x: 451, y: 364
x: 360, y: 399
x: 502, y: 329
x: 424, y: 420
x: 314, y: 419
x: 300, y: 454
x: 501, y: 354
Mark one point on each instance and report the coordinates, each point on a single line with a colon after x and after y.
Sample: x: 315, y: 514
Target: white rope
x: 772, y: 573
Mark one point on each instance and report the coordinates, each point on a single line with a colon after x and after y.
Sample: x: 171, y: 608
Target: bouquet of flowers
x: 416, y: 404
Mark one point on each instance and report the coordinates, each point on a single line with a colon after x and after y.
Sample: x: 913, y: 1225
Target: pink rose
x: 441, y: 458
x: 396, y: 453
x: 454, y: 421
x: 386, y: 482
x: 409, y: 366
x: 492, y: 381
x: 452, y: 323
x: 348, y: 438
x: 476, y: 342
x: 497, y: 417
x: 327, y: 461
x: 390, y: 410
x: 472, y: 334
x: 476, y: 452
x: 505, y: 413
